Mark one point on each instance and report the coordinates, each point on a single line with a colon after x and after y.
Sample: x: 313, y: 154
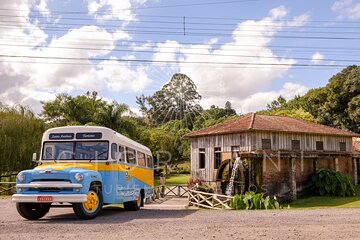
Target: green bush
x: 252, y: 201
x: 326, y: 182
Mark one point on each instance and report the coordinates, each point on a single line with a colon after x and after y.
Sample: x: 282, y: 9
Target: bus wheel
x: 134, y: 205
x: 92, y: 207
x: 32, y: 211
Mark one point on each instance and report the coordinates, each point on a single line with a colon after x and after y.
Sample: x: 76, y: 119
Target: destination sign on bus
x: 96, y: 135
x: 60, y: 136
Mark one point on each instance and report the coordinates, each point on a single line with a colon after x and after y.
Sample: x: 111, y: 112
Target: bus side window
x: 130, y: 155
x: 121, y: 154
x: 113, y: 150
x: 141, y: 159
x: 150, y: 161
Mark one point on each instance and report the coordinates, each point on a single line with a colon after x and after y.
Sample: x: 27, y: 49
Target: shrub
x: 326, y: 182
x: 252, y: 201
x: 198, y: 185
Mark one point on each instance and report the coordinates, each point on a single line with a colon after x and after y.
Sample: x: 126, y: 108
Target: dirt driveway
x: 153, y: 223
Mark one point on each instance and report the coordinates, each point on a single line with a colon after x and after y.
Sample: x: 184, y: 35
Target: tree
x: 228, y: 109
x: 177, y: 100
x: 336, y: 104
x: 280, y: 102
x: 66, y: 109
x: 20, y: 136
x: 214, y: 115
x: 343, y: 91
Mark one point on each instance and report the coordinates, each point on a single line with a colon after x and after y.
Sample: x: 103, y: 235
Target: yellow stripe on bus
x: 142, y: 174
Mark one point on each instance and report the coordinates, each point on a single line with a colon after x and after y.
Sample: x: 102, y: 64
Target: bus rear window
x: 150, y: 161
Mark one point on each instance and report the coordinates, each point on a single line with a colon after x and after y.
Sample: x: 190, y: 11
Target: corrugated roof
x: 271, y: 123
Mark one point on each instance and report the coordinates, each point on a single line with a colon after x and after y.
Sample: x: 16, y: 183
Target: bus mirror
x: 34, y: 157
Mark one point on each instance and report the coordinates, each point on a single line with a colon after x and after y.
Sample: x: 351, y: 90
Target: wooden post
x: 355, y: 171
x: 336, y: 164
x: 178, y: 191
x: 293, y: 178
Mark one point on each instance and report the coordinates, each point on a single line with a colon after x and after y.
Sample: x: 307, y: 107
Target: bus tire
x: 134, y: 205
x: 32, y: 211
x: 92, y: 207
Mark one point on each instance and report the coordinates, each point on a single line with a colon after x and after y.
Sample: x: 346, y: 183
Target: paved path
x: 164, y: 222
x: 168, y: 203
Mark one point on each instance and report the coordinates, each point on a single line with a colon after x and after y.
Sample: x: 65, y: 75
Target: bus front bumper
x: 49, y: 198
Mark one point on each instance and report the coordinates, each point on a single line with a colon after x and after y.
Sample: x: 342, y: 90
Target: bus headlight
x: 21, y: 177
x: 79, y: 177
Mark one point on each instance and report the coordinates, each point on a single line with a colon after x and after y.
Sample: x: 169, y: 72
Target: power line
x: 313, y: 67
x: 129, y: 28
x: 190, y: 33
x: 181, y: 45
x: 149, y: 7
x: 190, y: 17
x: 194, y: 23
x: 171, y: 61
x: 187, y: 53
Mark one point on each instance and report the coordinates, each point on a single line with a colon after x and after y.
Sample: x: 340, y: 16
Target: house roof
x: 259, y: 122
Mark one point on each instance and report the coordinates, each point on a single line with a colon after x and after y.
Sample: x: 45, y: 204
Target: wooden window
x: 202, y: 158
x: 141, y: 159
x: 121, y: 153
x: 217, y: 157
x: 234, y: 151
x: 295, y: 144
x: 266, y: 144
x: 149, y: 161
x: 130, y: 155
x: 319, y: 145
x: 343, y: 146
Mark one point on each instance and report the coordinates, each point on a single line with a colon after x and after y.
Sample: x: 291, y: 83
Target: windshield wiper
x: 98, y: 155
x: 51, y: 156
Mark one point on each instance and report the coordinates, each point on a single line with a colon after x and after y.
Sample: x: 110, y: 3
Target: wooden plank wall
x: 282, y: 141
x: 251, y: 141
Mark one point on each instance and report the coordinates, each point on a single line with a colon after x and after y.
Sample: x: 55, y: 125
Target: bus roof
x: 107, y: 134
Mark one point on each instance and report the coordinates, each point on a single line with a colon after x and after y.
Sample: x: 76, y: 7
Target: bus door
x: 125, y: 166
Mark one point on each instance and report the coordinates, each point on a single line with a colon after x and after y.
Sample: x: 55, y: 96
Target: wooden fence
x: 173, y: 191
x: 210, y: 200
x: 7, y: 188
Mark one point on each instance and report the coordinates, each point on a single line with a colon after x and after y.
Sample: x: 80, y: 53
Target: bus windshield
x: 76, y: 150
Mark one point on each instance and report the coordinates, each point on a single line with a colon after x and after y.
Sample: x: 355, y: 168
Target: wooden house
x: 279, y: 153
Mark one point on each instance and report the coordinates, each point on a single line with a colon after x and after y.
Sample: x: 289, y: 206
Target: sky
x: 247, y: 52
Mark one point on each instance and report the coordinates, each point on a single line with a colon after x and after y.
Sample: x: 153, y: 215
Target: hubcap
x: 92, y: 202
x: 139, y: 200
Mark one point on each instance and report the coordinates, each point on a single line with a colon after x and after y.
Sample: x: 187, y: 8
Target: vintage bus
x: 85, y: 167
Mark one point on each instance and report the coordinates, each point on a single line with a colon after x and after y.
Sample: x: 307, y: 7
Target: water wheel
x: 224, y: 173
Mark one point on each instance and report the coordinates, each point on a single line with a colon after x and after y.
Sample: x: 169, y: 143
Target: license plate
x: 44, y: 198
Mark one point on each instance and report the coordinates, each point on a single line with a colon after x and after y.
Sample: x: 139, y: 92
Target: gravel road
x: 152, y: 223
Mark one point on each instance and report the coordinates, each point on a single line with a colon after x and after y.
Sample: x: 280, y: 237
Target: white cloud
x: 347, y: 9
x: 167, y: 51
x: 259, y: 100
x: 43, y: 8
x: 218, y: 83
x: 120, y: 77
x: 34, y: 81
x: 341, y: 4
x: 316, y: 58
x: 114, y: 9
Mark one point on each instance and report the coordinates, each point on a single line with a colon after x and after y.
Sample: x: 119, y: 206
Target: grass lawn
x: 174, y: 179
x: 326, y: 202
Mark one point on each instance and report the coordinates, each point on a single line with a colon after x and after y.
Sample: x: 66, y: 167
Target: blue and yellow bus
x: 87, y: 167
